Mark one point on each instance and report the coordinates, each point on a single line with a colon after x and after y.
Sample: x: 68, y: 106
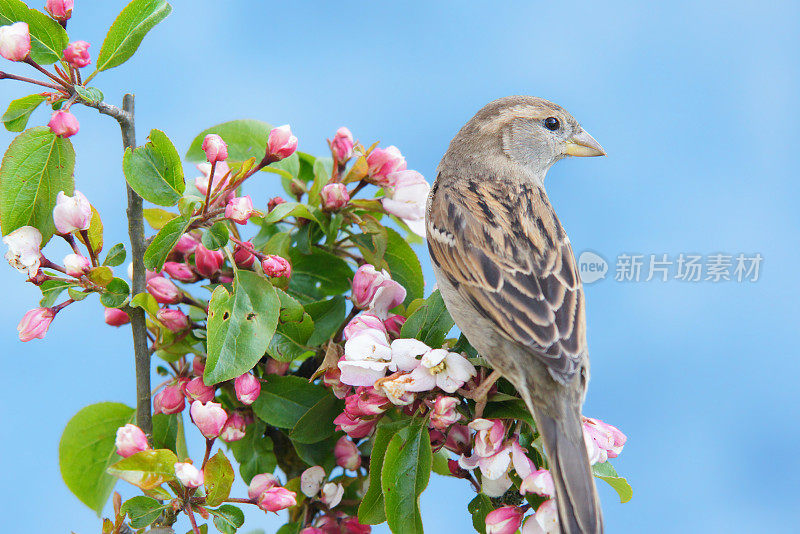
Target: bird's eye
x: 551, y: 123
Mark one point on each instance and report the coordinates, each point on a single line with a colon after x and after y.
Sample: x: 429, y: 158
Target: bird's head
x: 532, y: 132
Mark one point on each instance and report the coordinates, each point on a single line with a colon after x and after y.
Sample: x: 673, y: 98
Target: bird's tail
x: 579, y: 510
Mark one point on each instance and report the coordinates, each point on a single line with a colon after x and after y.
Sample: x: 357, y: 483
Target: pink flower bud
x: 72, y: 213
x: 34, y: 323
x: 276, y: 499
x: 198, y: 365
x: 489, y: 437
x: 394, y: 324
x: 179, y: 271
x: 189, y: 475
x: 164, y: 291
x: 261, y: 483
x: 276, y: 266
x: 281, y: 143
x: 234, y: 428
x: 209, y: 418
x: 186, y: 244
x: 612, y: 437
x: 15, y: 41
x: 215, y: 148
x: 63, y: 123
x: 384, y: 161
x: 76, y: 265
x: 361, y: 322
x: 314, y: 530
x: 505, y: 520
x: 130, y: 440
x: 208, y: 262
x: 243, y: 254
x: 351, y: 525
x: 59, y: 9
x: 354, y: 427
x: 247, y: 388
x: 275, y: 201
x: 169, y: 400
x: 546, y: 518
x: 334, y: 196
x: 347, y: 454
x: 219, y: 181
x: 24, y: 250
x: 376, y: 291
x: 444, y: 412
x: 332, y: 379
x: 174, y: 320
x: 342, y: 145
x: 239, y: 209
x: 115, y: 317
x: 274, y: 367
x: 196, y: 389
x: 77, y: 54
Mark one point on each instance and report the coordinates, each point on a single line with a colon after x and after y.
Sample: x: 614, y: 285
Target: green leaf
x: 116, y: 295
x: 142, y: 510
x: 328, y: 316
x: 51, y: 289
x: 317, y: 423
x: 216, y: 237
x: 227, y: 518
x: 323, y: 168
x: 289, y: 209
x: 154, y: 170
x: 48, y: 37
x: 404, y: 476
x: 163, y: 243
x: 115, y: 256
x: 288, y: 342
x: 245, y: 139
x: 285, y: 399
x: 218, y: 479
x: 240, y: 326
x: 371, y: 510
x: 77, y: 294
x: 404, y: 266
x: 509, y: 409
x: 128, y: 30
x: 291, y: 310
x: 146, y: 469
x: 320, y: 453
x: 288, y: 528
x: 165, y: 431
x: 95, y: 232
x: 479, y: 508
x: 605, y: 471
x: 36, y: 166
x: 430, y: 323
x: 157, y: 218
x: 254, y: 453
x: 19, y: 111
x: 87, y: 449
x: 90, y: 94
x: 319, y: 274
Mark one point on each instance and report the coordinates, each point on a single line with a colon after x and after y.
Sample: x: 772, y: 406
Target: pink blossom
x: 376, y: 291
x: 281, y: 143
x: 366, y: 402
x: 219, y: 181
x: 394, y: 323
x: 342, y: 145
x: 347, y: 454
x: 544, y: 521
x: 407, y: 199
x: 314, y: 530
x: 239, y: 209
x: 332, y: 379
x: 608, y: 439
x: 73, y: 213
x: 209, y: 418
x: 367, y: 356
x: 24, y: 250
x: 189, y: 475
x: 539, y: 482
x: 458, y: 439
x: 115, y: 317
x: 63, y: 123
x: 15, y: 41
x: 164, y: 291
x: 439, y: 368
x: 208, y: 262
x: 179, y: 271
x: 198, y: 366
x: 311, y: 480
x: 276, y: 499
x: 491, y: 455
x: 243, y: 254
x: 215, y: 148
x: 34, y: 323
x: 59, y: 9
x: 334, y: 196
x: 196, y: 389
x: 350, y: 525
x: 234, y: 428
x: 174, y: 320
x: 505, y: 520
x: 361, y: 322
x: 130, y: 440
x: 169, y: 400
x: 186, y: 244
x: 444, y: 412
x: 353, y: 427
x: 76, y: 265
x: 77, y: 54
x: 261, y: 483
x: 384, y: 161
x: 273, y: 202
x: 274, y: 367
x: 247, y: 388
x: 276, y: 266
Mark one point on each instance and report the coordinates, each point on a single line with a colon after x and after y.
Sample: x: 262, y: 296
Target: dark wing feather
x: 502, y: 246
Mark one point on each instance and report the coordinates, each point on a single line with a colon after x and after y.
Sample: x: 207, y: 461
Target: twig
x: 6, y: 75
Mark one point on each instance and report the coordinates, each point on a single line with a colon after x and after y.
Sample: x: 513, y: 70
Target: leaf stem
x: 210, y: 185
x: 190, y: 513
x: 88, y: 243
x: 46, y: 72
x: 6, y: 75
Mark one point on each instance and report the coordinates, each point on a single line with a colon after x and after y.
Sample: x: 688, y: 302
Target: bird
x: 507, y: 274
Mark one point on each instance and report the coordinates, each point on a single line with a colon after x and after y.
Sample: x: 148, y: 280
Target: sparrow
x: 506, y: 271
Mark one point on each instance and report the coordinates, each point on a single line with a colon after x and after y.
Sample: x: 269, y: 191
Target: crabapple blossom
x: 539, y: 482
x: 234, y: 428
x: 393, y: 324
x: 179, y: 271
x: 63, y: 123
x: 77, y: 54
x: 115, y: 317
x: 15, y: 41
x: 59, y: 9
x: 34, y: 323
x: 71, y: 214
x: 76, y: 265
x: 247, y: 388
x: 334, y: 196
x: 239, y: 209
x: 505, y: 520
x: 24, y: 249
x: 174, y: 320
x: 208, y: 262
x: 354, y: 427
x: 209, y: 418
x: 219, y: 180
x: 376, y: 291
x: 261, y: 483
x: 367, y: 356
x: 458, y: 439
x: 215, y: 148
x: 276, y: 499
x: 350, y: 525
x: 186, y: 244
x: 130, y: 440
x: 164, y: 291
x: 275, y: 266
x: 281, y: 143
x: 439, y: 368
x: 544, y: 521
x: 198, y: 366
x: 407, y: 198
x: 189, y: 475
x: 196, y: 389
x: 384, y: 161
x: 603, y: 441
x: 169, y: 400
x: 342, y: 145
x: 444, y: 412
x: 347, y: 454
x: 243, y: 254
x: 361, y: 322
x: 332, y: 380
x: 273, y: 202
x: 274, y: 367
x: 332, y: 494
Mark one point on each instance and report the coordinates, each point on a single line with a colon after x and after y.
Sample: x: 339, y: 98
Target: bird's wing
x: 503, y: 248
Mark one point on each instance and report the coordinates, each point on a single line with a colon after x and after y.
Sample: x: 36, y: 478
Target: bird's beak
x: 583, y: 145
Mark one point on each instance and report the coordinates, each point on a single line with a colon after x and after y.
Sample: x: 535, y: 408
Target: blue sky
x: 696, y: 104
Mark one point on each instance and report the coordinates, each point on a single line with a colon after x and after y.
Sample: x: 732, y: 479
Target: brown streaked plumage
x: 507, y: 273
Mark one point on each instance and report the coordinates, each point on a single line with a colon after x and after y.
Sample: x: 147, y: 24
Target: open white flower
x: 447, y: 370
x: 406, y: 199
x: 24, y: 249
x: 367, y: 356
